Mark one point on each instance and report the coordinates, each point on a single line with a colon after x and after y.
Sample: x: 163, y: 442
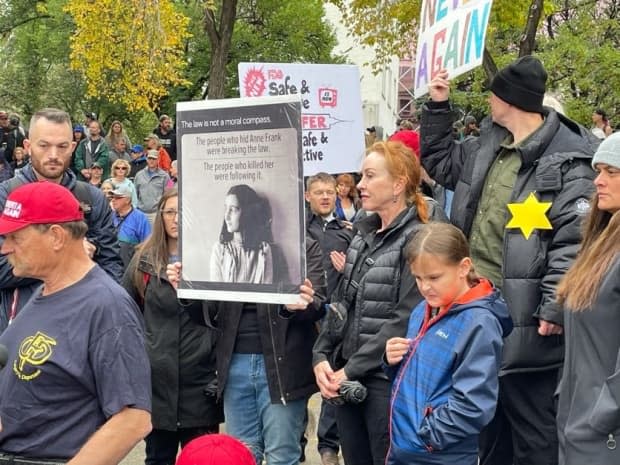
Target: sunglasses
x: 122, y: 168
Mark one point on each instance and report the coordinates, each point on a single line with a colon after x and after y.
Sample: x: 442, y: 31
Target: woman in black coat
x: 180, y: 348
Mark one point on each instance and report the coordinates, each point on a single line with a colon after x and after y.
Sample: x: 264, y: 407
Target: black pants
x: 327, y: 430
x: 162, y: 446
x: 524, y: 430
x: 363, y: 428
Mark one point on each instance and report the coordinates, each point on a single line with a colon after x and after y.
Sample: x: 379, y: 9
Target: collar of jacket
x: 68, y: 178
x: 310, y: 217
x: 146, y: 265
x: 372, y: 223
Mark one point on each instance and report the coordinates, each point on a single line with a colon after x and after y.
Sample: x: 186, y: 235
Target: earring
x: 395, y: 198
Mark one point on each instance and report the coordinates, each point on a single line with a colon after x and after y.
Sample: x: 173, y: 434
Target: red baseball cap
x: 410, y: 138
x: 215, y: 449
x: 41, y: 202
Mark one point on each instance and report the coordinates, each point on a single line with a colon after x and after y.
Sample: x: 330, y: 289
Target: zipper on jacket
x: 275, y: 357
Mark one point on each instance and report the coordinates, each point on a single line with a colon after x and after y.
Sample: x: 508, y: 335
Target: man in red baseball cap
x: 77, y: 381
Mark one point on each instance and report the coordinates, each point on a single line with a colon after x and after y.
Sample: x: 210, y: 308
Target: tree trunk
x: 488, y: 63
x: 528, y: 39
x: 220, y: 40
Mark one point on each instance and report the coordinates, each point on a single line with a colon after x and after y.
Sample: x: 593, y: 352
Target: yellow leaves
x: 129, y: 51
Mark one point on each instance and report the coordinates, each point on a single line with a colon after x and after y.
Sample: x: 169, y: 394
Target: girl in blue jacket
x: 444, y: 372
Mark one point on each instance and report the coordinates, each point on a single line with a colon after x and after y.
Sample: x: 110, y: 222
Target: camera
x: 350, y: 392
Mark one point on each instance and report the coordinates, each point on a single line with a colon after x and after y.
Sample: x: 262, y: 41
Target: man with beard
x: 50, y: 144
x: 167, y: 136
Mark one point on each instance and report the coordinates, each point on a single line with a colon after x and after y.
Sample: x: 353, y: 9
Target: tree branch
x: 211, y: 27
x: 528, y: 39
x: 488, y: 63
x: 8, y: 28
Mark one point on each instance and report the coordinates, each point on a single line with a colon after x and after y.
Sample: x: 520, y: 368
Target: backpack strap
x: 146, y: 277
x: 13, y: 184
x: 83, y: 194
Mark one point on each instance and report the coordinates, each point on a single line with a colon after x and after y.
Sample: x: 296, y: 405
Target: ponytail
x: 422, y: 207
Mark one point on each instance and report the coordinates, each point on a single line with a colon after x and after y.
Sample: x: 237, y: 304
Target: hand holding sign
x: 439, y: 88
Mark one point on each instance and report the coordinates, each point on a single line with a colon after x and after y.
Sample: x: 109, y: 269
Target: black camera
x: 350, y: 392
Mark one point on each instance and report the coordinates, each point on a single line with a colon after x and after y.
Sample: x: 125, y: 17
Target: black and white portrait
x: 243, y: 253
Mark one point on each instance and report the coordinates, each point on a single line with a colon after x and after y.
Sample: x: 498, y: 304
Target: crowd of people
x: 459, y: 304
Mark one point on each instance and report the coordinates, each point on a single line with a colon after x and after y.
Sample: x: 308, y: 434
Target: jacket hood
x: 558, y: 133
x: 488, y: 298
x: 68, y: 178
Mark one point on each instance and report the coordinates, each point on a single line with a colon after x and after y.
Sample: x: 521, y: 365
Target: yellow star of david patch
x: 529, y: 215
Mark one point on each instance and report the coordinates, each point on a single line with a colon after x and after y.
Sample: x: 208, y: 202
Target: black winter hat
x: 522, y: 84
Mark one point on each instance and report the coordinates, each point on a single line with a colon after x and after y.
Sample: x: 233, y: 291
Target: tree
x: 129, y: 51
x: 35, y: 68
x: 578, y: 40
x: 581, y: 51
x: 264, y: 30
x: 390, y: 28
x: 220, y: 36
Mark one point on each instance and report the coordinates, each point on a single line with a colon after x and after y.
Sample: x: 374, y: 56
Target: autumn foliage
x: 129, y: 51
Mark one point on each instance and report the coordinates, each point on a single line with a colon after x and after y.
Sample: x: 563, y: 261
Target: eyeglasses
x: 122, y: 168
x: 170, y: 213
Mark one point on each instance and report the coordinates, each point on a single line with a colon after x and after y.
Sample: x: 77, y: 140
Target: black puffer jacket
x: 556, y: 166
x: 182, y: 353
x: 335, y: 235
x: 378, y: 305
x: 286, y: 337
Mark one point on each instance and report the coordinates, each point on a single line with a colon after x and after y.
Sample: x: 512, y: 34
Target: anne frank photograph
x: 243, y: 253
x: 241, y: 193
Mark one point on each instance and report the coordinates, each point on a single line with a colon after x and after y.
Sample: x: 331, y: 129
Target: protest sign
x: 242, y: 232
x: 332, y: 121
x: 452, y: 34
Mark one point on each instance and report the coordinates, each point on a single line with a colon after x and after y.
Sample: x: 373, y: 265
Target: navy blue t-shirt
x: 76, y: 358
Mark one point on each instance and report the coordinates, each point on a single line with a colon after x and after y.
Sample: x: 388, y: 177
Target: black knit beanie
x: 522, y: 84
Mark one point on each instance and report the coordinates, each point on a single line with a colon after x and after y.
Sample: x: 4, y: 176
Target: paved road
x: 136, y: 457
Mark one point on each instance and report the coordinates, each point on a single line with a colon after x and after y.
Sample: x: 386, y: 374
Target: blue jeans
x: 270, y: 430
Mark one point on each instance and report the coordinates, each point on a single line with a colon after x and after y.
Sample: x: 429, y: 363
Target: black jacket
x: 181, y: 351
x: 167, y: 141
x: 286, y: 337
x: 377, y: 306
x: 333, y: 236
x: 556, y: 165
x: 101, y: 232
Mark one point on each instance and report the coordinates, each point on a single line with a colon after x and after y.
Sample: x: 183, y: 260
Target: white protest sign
x: 332, y: 120
x: 241, y: 199
x: 452, y: 34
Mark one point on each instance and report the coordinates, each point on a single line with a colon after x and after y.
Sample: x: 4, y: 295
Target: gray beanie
x: 608, y: 152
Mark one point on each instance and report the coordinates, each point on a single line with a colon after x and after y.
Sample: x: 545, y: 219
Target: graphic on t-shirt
x: 34, y: 351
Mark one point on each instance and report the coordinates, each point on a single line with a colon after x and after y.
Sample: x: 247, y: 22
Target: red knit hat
x: 410, y: 138
x: 39, y: 203
x: 215, y: 449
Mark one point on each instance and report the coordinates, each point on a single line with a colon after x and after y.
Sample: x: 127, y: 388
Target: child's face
x: 439, y: 281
